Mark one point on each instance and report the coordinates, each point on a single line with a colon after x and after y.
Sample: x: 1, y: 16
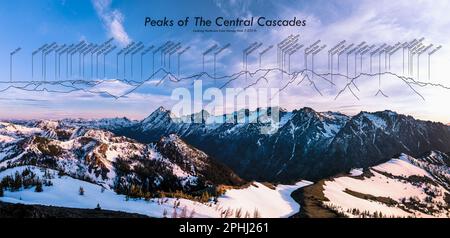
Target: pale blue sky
x: 29, y: 24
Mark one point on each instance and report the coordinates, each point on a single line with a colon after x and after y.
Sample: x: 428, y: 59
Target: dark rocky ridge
x: 308, y: 145
x: 9, y: 210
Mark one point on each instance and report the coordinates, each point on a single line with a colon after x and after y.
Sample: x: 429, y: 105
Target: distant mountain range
x: 208, y: 167
x: 308, y: 144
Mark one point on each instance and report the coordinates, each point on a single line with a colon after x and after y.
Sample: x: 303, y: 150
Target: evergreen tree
x: 256, y: 214
x: 60, y: 173
x: 26, y: 172
x: 98, y: 208
x: 38, y: 188
x: 48, y: 183
x: 192, y: 214
x: 205, y: 197
x: 1, y: 191
x: 7, y: 182
x: 17, y: 184
x: 174, y: 214
x: 229, y: 213
x: 183, y: 213
x: 238, y: 213
x: 135, y: 191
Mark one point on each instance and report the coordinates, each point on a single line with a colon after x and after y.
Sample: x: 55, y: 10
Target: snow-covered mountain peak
x: 157, y: 117
x: 47, y: 124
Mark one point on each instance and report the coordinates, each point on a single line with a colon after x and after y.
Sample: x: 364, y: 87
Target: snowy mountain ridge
x: 118, y: 172
x: 115, y: 162
x: 401, y: 187
x: 307, y: 144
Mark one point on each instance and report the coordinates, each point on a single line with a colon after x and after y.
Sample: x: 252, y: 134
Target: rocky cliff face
x: 307, y: 144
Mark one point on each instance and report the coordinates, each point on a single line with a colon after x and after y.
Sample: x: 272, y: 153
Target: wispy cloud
x: 234, y: 7
x: 112, y: 20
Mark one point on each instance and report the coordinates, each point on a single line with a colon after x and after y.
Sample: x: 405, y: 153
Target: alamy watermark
x: 229, y: 105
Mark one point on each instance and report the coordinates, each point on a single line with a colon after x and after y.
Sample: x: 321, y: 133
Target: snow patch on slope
x: 376, y: 121
x: 65, y: 193
x: 401, y: 167
x: 269, y: 202
x: 390, y: 188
